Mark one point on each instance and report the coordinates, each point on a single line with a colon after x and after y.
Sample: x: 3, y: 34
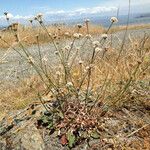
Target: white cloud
x: 2, y: 17
x: 83, y: 11
x: 16, y: 17
x: 55, y: 12
x: 22, y: 17
x: 126, y: 2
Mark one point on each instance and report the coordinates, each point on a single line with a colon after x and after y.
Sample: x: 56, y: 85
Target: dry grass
x: 91, y: 78
x: 131, y: 27
x: 107, y: 74
x: 18, y: 97
x: 28, y: 34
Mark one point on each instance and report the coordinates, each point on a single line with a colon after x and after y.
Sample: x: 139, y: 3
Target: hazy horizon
x: 21, y: 11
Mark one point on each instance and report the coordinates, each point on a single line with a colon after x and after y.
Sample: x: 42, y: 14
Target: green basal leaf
x: 50, y: 125
x: 71, y: 139
x: 45, y: 119
x: 95, y: 135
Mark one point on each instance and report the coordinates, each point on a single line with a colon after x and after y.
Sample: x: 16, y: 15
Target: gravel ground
x: 15, y: 68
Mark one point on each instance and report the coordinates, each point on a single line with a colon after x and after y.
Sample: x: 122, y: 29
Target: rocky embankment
x: 128, y: 128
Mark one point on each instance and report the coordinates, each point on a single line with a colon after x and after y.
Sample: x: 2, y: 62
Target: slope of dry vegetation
x: 28, y: 33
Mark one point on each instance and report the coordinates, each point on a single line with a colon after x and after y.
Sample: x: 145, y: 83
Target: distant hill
x: 2, y: 27
x: 143, y: 18
x: 144, y: 15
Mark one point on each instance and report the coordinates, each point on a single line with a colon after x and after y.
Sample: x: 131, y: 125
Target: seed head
x: 96, y: 43
x: 39, y: 16
x: 54, y: 35
x: 58, y: 73
x: 87, y: 68
x: 79, y: 26
x: 5, y: 13
x: 67, y: 47
x: 97, y: 49
x: 80, y: 35
x: 31, y: 21
x: 40, y: 21
x: 80, y: 62
x: 88, y: 36
x: 139, y: 61
x: 56, y: 52
x: 104, y: 36
x: 87, y: 20
x: 69, y: 84
x: 76, y: 35
x: 30, y: 60
x: 113, y: 19
x: 8, y: 15
x: 77, y: 48
x: 35, y: 18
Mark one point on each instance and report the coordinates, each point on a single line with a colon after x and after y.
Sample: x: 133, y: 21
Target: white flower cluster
x: 79, y: 26
x: 97, y: 49
x: 38, y: 16
x: 69, y: 84
x: 88, y: 36
x: 80, y: 62
x: 113, y: 19
x: 8, y: 15
x: 95, y: 44
x: 77, y: 35
x: 87, y: 20
x: 104, y: 36
x: 30, y: 60
x: 67, y: 47
x: 58, y: 73
x: 56, y: 52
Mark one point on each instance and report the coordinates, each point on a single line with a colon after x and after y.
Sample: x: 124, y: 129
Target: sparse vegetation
x: 63, y: 31
x: 91, y: 77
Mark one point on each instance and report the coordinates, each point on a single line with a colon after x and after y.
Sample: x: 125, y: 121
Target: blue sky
x: 27, y: 7
x: 24, y: 9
